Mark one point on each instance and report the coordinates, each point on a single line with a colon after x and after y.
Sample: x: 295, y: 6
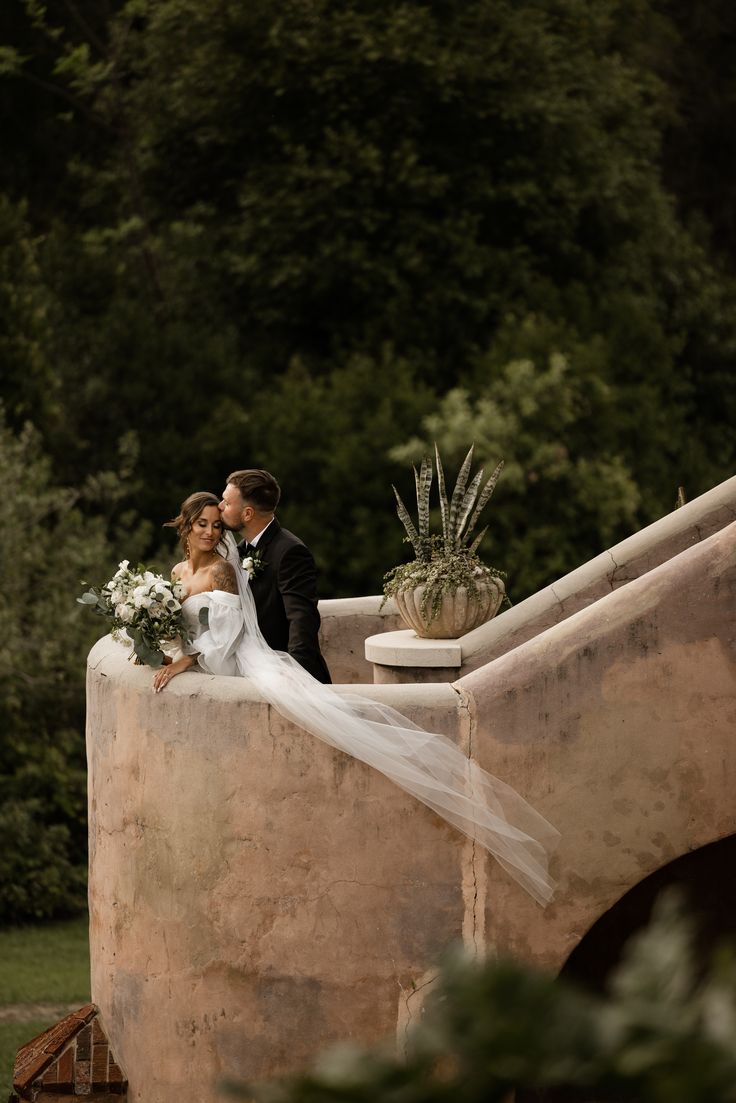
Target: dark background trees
x: 314, y: 236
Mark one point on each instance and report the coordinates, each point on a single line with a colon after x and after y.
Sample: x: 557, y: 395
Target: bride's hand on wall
x: 163, y: 676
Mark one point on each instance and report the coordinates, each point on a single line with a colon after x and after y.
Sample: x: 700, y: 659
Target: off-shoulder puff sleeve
x: 217, y: 640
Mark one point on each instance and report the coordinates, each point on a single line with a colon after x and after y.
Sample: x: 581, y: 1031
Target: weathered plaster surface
x: 346, y: 624
x: 632, y: 558
x: 619, y: 725
x: 254, y: 894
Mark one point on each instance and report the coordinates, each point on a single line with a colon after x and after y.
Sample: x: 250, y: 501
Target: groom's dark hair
x: 257, y: 488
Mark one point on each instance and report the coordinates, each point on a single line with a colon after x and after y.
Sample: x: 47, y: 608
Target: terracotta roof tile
x: 71, y: 1060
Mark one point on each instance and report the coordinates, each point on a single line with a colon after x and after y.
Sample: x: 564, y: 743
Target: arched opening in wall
x: 706, y: 883
x: 708, y: 887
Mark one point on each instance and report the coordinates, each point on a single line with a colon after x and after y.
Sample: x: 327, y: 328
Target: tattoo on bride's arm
x: 223, y: 578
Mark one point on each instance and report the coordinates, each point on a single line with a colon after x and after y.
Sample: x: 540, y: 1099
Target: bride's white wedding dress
x: 227, y: 640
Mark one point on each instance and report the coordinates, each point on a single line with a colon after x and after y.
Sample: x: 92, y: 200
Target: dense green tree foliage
x: 699, y: 140
x: 313, y: 235
x: 572, y: 480
x: 49, y: 541
x: 255, y: 198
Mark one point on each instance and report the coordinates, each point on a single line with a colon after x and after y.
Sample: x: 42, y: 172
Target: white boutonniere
x: 253, y: 564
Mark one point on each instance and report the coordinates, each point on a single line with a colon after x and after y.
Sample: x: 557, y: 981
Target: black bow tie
x: 244, y: 548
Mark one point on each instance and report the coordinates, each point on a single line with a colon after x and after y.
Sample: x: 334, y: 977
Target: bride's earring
x: 186, y: 546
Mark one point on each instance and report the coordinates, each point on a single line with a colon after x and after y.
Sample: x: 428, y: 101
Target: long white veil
x: 427, y: 765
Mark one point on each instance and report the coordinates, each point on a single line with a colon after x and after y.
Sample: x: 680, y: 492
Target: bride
x: 225, y: 639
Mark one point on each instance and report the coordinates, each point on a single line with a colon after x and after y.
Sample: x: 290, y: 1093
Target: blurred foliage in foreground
x: 664, y: 1033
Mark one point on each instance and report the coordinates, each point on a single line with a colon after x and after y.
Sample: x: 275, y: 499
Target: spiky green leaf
x: 424, y: 484
x: 444, y: 506
x: 484, y: 498
x: 407, y: 522
x: 466, y: 505
x: 458, y: 494
x: 476, y: 543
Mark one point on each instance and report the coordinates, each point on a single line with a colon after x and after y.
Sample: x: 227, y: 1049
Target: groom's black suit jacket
x: 285, y: 594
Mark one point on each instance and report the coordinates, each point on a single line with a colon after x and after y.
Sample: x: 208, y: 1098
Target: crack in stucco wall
x: 473, y: 856
x: 557, y: 598
x: 411, y: 1004
x: 473, y: 859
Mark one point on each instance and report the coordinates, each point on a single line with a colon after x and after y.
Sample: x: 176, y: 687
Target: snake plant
x: 447, y: 560
x: 460, y: 513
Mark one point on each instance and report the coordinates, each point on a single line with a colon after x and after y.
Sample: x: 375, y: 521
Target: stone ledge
x: 405, y: 648
x: 627, y: 561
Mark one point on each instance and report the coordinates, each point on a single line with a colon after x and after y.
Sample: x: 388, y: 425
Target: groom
x: 284, y: 577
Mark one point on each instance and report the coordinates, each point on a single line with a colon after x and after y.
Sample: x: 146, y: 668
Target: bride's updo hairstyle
x: 189, y: 511
x: 257, y: 488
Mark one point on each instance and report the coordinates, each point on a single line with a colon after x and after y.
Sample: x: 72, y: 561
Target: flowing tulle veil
x: 427, y: 765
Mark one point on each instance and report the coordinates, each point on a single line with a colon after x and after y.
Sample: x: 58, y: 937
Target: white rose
x: 125, y: 613
x: 248, y: 565
x: 141, y: 598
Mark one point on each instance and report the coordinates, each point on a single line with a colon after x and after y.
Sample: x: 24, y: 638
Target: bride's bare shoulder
x: 222, y: 577
x: 177, y: 570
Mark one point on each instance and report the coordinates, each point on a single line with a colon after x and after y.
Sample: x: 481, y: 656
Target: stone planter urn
x: 461, y: 611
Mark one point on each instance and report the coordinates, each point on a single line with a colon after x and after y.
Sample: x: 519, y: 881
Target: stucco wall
x: 254, y: 894
x: 619, y: 565
x: 619, y: 725
x: 346, y: 625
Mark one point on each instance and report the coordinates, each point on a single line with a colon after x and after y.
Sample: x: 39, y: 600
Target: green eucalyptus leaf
x: 148, y: 654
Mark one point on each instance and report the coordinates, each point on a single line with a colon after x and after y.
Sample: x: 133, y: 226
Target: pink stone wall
x: 620, y: 725
x: 346, y: 624
x: 632, y: 558
x: 254, y: 894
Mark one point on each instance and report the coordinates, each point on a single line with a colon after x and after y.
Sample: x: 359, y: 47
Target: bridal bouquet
x: 142, y: 604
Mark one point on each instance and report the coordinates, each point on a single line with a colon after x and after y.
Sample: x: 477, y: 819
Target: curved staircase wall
x: 619, y: 565
x: 255, y: 895
x: 619, y: 725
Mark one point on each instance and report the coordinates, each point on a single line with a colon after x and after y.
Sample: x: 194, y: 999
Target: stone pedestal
x: 405, y: 657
